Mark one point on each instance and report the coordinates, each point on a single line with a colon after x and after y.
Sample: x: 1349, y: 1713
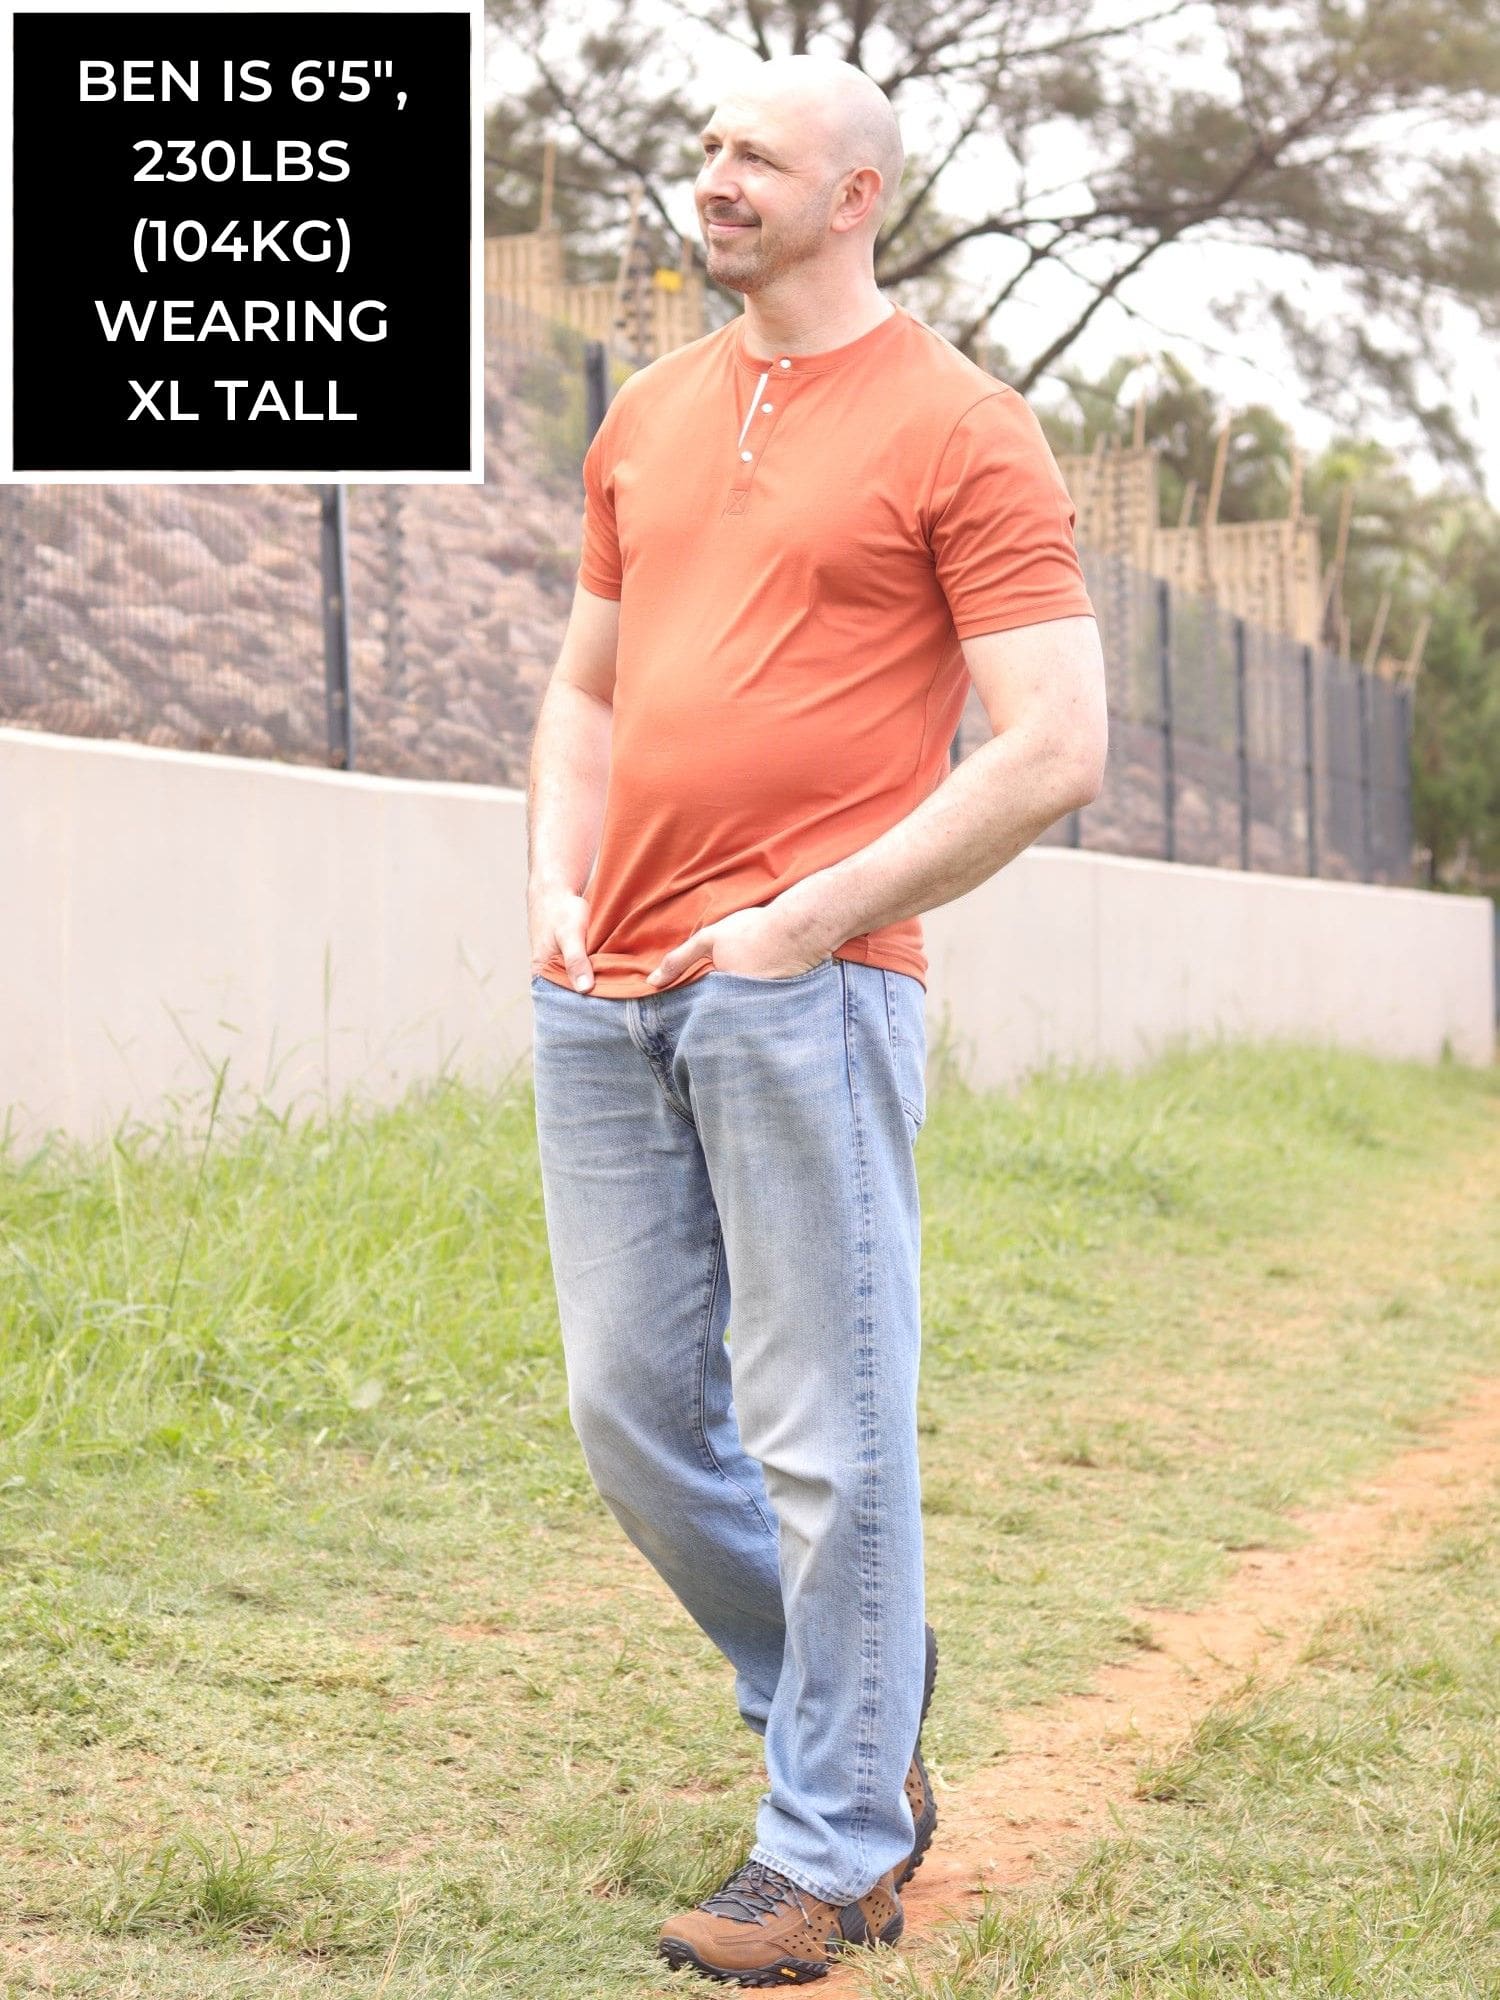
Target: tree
x: 1344, y: 134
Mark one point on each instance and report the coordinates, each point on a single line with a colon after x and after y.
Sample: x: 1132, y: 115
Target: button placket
x: 755, y: 432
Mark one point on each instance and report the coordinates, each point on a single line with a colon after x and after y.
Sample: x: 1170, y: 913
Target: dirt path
x: 1069, y: 1763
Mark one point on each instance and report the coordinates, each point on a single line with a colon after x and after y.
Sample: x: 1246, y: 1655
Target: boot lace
x: 752, y: 1892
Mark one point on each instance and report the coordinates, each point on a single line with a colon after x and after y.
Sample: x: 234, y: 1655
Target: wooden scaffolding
x: 1269, y: 573
x: 645, y: 311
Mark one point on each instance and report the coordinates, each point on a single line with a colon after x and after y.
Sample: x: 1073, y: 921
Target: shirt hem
x: 638, y: 986
x: 1013, y: 620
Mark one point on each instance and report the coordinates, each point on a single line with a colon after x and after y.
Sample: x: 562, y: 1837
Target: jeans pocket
x: 906, y: 1022
x: 785, y: 979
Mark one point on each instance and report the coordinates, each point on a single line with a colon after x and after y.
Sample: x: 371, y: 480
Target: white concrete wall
x: 1105, y: 958
x: 162, y: 911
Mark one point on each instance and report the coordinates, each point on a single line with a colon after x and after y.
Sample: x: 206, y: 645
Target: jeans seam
x: 897, y: 1039
x: 868, y: 1502
x: 640, y: 1035
x: 700, y: 1426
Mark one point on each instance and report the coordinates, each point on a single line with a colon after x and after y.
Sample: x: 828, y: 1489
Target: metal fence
x: 1233, y: 747
x: 410, y: 630
x: 212, y: 617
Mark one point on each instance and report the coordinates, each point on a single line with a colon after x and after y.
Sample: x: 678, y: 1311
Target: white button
x: 745, y: 454
x: 765, y: 409
x: 784, y: 363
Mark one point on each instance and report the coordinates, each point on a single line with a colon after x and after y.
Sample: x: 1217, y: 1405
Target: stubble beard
x: 751, y: 265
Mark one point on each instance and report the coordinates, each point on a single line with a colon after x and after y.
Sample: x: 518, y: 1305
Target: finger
x: 576, y: 960
x: 681, y: 956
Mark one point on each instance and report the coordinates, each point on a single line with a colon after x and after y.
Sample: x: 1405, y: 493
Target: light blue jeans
x: 751, y: 1140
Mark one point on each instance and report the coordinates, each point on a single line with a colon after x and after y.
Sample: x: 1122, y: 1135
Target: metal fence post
x: 1366, y: 828
x: 1311, y: 775
x: 335, y: 540
x: 1407, y: 834
x: 1242, y: 740
x: 1168, y: 772
x: 595, y: 384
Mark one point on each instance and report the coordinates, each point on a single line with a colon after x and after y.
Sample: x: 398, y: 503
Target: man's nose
x: 715, y: 183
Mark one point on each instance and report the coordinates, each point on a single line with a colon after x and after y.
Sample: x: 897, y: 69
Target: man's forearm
x: 565, y: 795
x: 985, y: 812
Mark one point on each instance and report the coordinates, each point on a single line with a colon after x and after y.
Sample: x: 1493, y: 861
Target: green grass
x: 323, y: 1669
x: 1337, y: 1833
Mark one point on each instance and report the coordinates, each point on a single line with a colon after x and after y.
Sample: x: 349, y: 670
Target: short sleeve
x: 599, y: 566
x: 1000, y: 523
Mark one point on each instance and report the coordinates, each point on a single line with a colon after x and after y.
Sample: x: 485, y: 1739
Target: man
x: 804, y: 534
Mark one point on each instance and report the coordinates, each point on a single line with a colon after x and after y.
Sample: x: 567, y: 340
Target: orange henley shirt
x: 798, y: 544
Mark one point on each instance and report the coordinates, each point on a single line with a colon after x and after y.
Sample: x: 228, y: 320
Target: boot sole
x: 785, y: 1971
x: 927, y: 1825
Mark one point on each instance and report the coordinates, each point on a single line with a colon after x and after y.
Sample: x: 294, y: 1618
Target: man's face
x: 764, y: 193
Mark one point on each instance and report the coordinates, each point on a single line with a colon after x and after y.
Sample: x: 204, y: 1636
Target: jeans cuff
x: 759, y: 1853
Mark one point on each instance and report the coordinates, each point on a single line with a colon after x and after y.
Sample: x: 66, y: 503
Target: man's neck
x: 810, y: 326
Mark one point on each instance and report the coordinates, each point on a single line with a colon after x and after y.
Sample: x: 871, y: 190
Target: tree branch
x: 601, y: 145
x: 1261, y: 154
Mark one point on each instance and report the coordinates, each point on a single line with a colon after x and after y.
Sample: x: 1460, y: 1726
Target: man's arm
x: 568, y: 776
x: 1043, y: 689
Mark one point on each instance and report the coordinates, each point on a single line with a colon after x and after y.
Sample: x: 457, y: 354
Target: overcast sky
x: 1170, y: 304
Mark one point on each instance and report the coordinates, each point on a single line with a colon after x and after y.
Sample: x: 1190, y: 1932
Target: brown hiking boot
x: 918, y: 1785
x: 762, y: 1930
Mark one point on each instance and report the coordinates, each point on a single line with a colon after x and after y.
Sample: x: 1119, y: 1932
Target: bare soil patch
x: 1070, y: 1766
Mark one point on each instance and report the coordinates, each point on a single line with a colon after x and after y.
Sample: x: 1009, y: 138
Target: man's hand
x: 763, y: 943
x: 559, y: 918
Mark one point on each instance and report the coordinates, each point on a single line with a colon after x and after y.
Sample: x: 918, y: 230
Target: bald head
x: 847, y: 113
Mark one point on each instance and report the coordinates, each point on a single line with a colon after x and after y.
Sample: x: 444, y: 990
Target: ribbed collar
x: 817, y: 364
